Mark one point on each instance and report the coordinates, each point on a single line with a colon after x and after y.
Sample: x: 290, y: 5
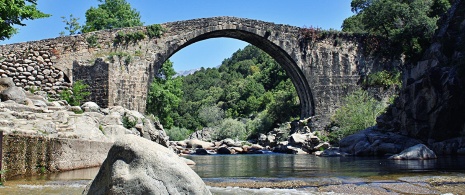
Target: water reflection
x: 305, y: 166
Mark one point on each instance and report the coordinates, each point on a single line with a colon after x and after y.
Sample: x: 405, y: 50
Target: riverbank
x: 74, y: 182
x: 442, y: 184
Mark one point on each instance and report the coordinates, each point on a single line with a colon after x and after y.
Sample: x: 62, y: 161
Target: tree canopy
x: 407, y: 24
x: 111, y: 14
x: 248, y: 94
x: 13, y: 12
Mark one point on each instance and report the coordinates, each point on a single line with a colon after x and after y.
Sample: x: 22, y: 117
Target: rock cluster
x: 28, y: 114
x: 302, y: 141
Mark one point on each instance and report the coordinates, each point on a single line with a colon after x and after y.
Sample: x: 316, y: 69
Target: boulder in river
x: 417, y: 152
x: 135, y: 165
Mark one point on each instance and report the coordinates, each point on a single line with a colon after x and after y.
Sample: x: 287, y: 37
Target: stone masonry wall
x: 30, y: 155
x: 31, y: 66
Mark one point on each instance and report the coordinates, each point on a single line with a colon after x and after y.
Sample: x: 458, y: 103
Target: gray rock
x: 114, y: 118
x: 6, y: 83
x: 198, y: 143
x: 371, y: 141
x: 417, y: 152
x: 90, y: 107
x: 201, y: 151
x: 39, y: 103
x: 154, y: 132
x: 16, y: 94
x: 75, y: 109
x: 138, y: 166
x: 113, y: 131
x: 223, y: 150
x: 187, y: 161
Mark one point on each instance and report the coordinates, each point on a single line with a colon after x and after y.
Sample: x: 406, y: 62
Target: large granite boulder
x: 138, y: 166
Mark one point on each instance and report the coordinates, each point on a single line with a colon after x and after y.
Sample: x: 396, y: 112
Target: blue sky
x: 325, y: 14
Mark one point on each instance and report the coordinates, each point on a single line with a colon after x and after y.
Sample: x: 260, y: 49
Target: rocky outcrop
x: 138, y: 166
x: 430, y: 107
x: 51, y: 135
x: 372, y: 142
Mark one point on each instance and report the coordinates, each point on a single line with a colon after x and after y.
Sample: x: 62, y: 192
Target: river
x: 308, y: 174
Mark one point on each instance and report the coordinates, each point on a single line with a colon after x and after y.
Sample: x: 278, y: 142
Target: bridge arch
x: 250, y: 35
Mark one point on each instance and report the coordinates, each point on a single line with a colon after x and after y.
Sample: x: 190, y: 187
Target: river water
x: 218, y: 171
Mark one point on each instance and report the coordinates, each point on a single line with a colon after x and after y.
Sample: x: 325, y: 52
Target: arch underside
x: 276, y: 52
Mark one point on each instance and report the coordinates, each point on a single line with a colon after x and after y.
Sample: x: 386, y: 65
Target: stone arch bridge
x: 323, y: 68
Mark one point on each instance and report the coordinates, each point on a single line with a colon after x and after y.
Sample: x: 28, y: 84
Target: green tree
x: 408, y: 25
x: 230, y: 128
x: 72, y: 25
x: 165, y: 94
x: 111, y: 14
x: 13, y: 12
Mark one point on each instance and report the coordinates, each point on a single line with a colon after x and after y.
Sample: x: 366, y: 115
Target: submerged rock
x: 138, y: 166
x: 417, y: 152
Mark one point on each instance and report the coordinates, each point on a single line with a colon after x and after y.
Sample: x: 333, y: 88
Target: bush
x: 128, y: 123
x: 359, y: 111
x: 384, y: 78
x: 77, y: 94
x: 178, y: 134
x: 230, y: 128
x: 155, y: 30
x: 92, y: 41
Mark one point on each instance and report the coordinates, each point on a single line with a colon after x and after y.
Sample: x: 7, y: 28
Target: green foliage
x: 128, y: 123
x: 92, y: 40
x: 121, y: 56
x: 230, y: 128
x: 77, y: 94
x: 111, y: 14
x: 249, y: 85
x: 407, y: 25
x: 14, y: 12
x: 165, y: 95
x: 211, y: 115
x: 155, y: 31
x: 72, y: 25
x: 384, y: 78
x: 178, y: 133
x: 359, y: 111
x: 126, y: 38
x: 2, y: 172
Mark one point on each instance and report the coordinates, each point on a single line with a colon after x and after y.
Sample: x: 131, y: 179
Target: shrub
x: 359, y: 111
x: 178, y: 134
x: 384, y: 78
x: 155, y: 30
x: 92, y: 41
x: 128, y: 123
x: 76, y: 95
x: 230, y: 128
x: 126, y: 38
